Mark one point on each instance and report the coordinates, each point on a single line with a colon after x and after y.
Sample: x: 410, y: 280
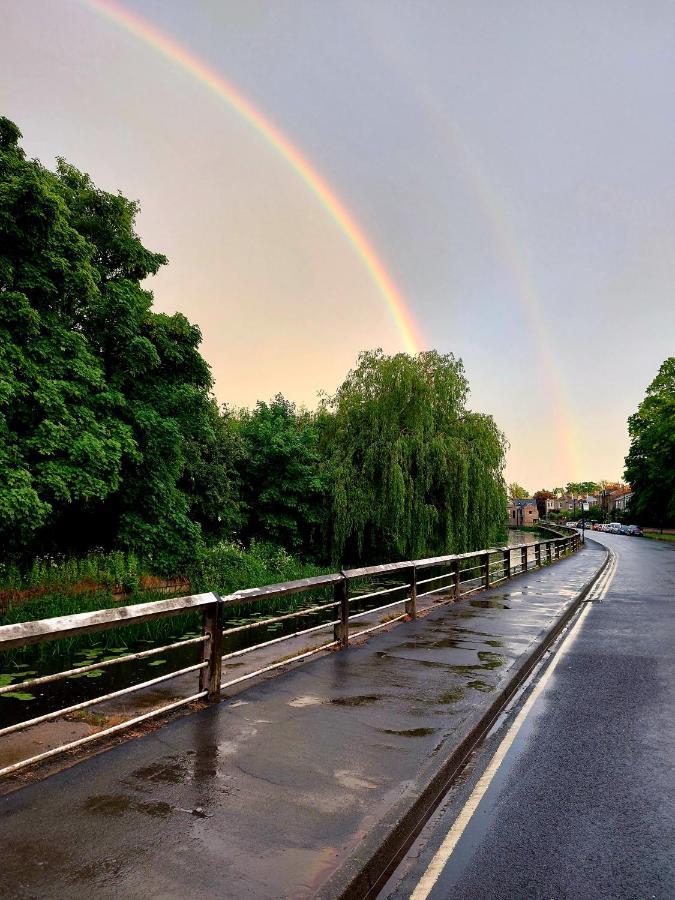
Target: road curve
x: 580, y: 804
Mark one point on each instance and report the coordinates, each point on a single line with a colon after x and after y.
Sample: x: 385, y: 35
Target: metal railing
x: 459, y: 575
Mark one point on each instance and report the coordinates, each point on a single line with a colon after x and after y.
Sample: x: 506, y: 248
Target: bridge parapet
x: 399, y: 584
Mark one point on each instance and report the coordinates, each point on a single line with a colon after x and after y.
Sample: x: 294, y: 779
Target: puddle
x: 453, y: 696
x: 478, y: 685
x: 488, y: 604
x: 306, y: 700
x: 168, y: 772
x: 116, y: 805
x: 360, y: 700
x: 409, y: 732
x: 353, y: 781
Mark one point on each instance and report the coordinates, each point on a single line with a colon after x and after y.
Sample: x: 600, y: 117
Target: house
x: 522, y: 512
x: 619, y: 501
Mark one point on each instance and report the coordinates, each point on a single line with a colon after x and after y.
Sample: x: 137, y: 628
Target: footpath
x: 300, y: 785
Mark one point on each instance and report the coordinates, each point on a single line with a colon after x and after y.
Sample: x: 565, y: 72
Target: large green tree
x: 108, y: 433
x: 282, y: 487
x: 412, y: 471
x: 650, y: 464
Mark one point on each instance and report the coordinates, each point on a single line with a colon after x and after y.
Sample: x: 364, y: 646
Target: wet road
x: 270, y: 793
x: 582, y: 803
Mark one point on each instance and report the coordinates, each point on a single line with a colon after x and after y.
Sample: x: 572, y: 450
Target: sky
x: 510, y: 164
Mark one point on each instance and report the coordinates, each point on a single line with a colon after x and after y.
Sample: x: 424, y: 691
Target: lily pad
x: 95, y: 673
x: 19, y: 695
x: 6, y: 679
x: 158, y: 662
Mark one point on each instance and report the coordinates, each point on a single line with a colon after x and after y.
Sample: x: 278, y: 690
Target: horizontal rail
x: 284, y: 637
x: 435, y: 578
x: 292, y: 615
x: 399, y: 587
x: 104, y: 698
x: 279, y: 664
x: 378, y: 626
x: 369, y: 612
x: 114, y: 729
x: 385, y: 569
x: 23, y: 634
x: 279, y: 590
x: 81, y: 670
x: 471, y: 572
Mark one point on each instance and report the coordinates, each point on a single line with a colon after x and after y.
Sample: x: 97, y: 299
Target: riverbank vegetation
x: 117, y: 465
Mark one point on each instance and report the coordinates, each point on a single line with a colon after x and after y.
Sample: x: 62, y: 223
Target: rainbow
x: 182, y: 57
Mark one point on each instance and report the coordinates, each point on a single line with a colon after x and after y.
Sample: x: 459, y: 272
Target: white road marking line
x: 437, y: 864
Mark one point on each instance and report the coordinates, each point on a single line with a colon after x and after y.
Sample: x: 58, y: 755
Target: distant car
x: 614, y: 527
x: 597, y: 526
x: 635, y: 530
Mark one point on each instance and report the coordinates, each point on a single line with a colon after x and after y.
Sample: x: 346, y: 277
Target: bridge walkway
x: 271, y: 792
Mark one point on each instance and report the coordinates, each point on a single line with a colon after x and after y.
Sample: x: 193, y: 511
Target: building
x: 522, y: 512
x: 618, y: 502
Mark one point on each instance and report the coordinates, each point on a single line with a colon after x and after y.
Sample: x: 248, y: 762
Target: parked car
x: 635, y: 530
x: 614, y: 527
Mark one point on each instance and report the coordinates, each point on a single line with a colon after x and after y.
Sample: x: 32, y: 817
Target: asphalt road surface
x: 573, y: 793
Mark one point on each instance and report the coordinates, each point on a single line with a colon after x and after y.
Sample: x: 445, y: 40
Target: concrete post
x: 411, y: 604
x: 212, y: 649
x: 341, y: 630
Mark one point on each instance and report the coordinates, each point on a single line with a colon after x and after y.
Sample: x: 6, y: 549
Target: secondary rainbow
x: 177, y: 53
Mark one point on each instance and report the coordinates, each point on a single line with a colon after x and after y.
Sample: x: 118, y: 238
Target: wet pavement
x: 269, y: 793
x: 582, y: 804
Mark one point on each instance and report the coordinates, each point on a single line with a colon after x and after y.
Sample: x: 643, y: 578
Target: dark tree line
x: 110, y: 436
x: 650, y: 464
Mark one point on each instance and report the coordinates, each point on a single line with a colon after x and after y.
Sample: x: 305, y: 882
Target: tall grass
x: 62, y: 586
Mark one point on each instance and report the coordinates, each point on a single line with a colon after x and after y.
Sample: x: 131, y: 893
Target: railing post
x: 341, y: 596
x: 486, y: 557
x: 212, y: 649
x: 537, y: 555
x: 523, y: 559
x: 411, y: 604
x: 456, y: 580
x: 507, y: 563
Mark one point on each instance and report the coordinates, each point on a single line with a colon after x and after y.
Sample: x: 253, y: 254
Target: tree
x: 412, y: 471
x: 541, y: 497
x: 582, y: 488
x: 516, y: 491
x: 108, y: 433
x: 650, y: 464
x: 282, y: 487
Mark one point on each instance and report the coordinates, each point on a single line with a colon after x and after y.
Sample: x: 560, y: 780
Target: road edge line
x: 364, y: 878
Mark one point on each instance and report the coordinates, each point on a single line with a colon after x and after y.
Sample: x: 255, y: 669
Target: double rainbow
x: 182, y: 57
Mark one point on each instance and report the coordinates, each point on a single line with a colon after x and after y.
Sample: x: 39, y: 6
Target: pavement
x: 285, y: 789
x: 582, y: 804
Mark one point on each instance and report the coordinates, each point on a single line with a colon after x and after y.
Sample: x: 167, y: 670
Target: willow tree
x: 413, y: 472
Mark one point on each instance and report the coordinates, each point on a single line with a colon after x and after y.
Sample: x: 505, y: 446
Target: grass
x: 659, y: 537
x: 60, y: 587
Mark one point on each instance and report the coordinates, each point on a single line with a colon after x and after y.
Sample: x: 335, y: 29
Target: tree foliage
x: 515, y: 491
x: 107, y: 431
x: 282, y: 486
x: 111, y: 439
x: 413, y: 472
x: 582, y: 488
x: 650, y: 464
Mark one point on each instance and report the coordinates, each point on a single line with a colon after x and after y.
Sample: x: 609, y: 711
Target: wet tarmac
x: 582, y: 804
x: 268, y: 793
